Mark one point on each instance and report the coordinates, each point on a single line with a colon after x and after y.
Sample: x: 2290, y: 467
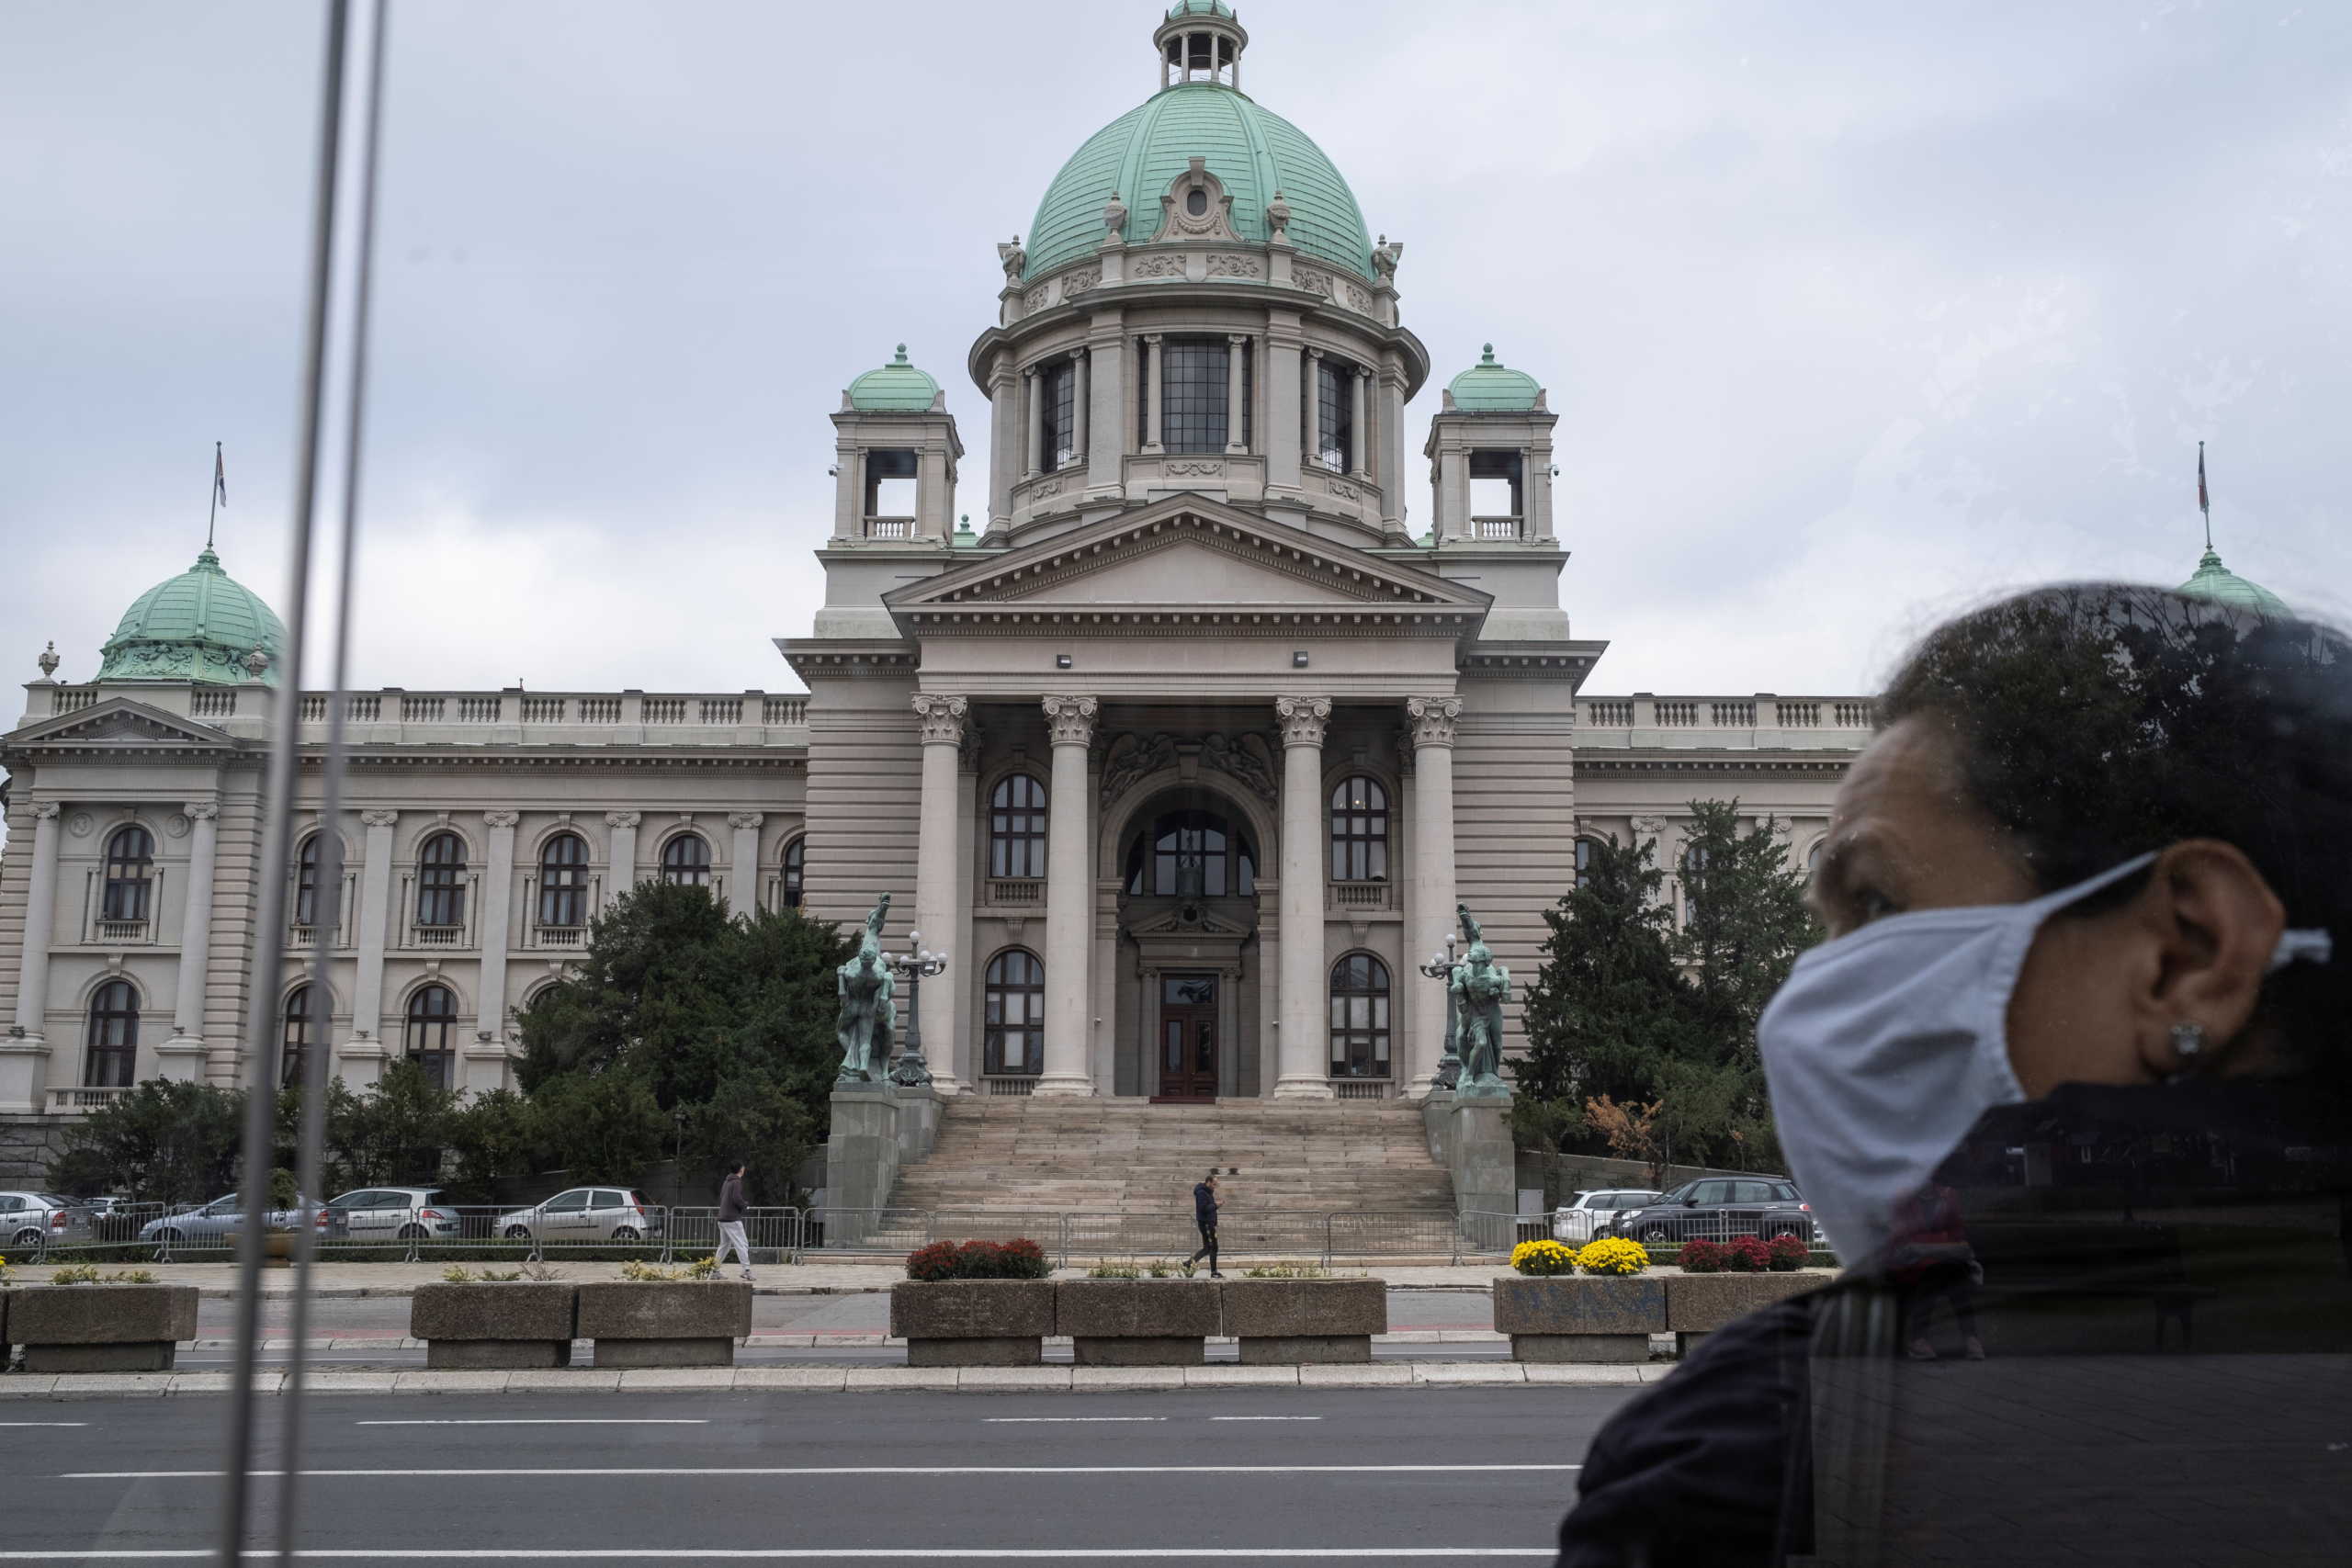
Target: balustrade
x: 213, y: 704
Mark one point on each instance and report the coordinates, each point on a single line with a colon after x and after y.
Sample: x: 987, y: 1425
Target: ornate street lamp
x: 913, y: 966
x: 1441, y: 968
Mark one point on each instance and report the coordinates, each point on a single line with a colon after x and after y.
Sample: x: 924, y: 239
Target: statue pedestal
x: 861, y: 1159
x: 1482, y: 1163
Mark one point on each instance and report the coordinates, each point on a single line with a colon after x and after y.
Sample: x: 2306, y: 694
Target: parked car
x: 32, y: 1220
x: 215, y: 1223
x: 1720, y: 1207
x: 584, y: 1213
x: 1588, y: 1214
x: 389, y: 1214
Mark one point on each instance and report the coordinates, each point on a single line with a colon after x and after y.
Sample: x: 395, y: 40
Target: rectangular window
x: 1335, y: 413
x: 890, y: 483
x: 1494, y: 487
x: 1193, y: 392
x: 1056, y: 420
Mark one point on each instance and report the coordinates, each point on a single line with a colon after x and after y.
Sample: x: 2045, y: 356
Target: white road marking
x: 43, y: 1423
x: 548, y: 1421
x: 1265, y: 1418
x: 827, y: 1554
x: 708, y: 1471
x: 1058, y: 1420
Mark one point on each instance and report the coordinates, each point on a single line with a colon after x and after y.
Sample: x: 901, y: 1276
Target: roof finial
x: 220, y: 496
x: 902, y: 353
x: 2204, y: 501
x: 1488, y: 358
x: 48, y: 661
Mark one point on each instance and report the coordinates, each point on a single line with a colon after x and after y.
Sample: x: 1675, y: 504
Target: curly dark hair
x: 2097, y: 721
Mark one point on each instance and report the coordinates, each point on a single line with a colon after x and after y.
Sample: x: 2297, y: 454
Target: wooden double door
x: 1188, y: 1037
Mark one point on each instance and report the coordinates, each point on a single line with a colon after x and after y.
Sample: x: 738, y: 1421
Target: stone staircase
x: 1112, y: 1156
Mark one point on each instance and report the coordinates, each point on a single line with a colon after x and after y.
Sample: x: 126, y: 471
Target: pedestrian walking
x: 732, y: 1209
x: 1204, y: 1216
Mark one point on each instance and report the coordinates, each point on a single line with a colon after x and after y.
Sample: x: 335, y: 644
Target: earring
x: 2187, y: 1039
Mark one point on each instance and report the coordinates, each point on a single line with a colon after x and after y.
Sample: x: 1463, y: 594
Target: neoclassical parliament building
x: 1185, y: 755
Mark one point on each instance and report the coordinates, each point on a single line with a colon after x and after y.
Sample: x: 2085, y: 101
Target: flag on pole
x: 220, y: 476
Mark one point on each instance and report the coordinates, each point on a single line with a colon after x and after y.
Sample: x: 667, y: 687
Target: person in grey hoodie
x: 732, y: 1209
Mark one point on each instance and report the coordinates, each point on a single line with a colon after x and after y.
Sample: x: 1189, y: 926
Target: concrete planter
x: 973, y: 1323
x: 678, y: 1323
x: 1697, y: 1304
x: 517, y: 1324
x: 1576, y: 1317
x: 1137, y: 1323
x: 1286, y: 1321
x: 100, y: 1328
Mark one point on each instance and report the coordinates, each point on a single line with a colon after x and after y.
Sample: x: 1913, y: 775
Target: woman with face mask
x: 2077, y: 1058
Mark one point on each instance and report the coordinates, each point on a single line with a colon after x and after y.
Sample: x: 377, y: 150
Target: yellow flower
x: 1613, y: 1255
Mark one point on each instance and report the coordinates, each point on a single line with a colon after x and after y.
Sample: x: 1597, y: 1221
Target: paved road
x: 1363, y: 1476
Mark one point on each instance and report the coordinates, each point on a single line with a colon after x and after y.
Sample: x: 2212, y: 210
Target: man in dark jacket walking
x: 732, y: 1209
x: 1204, y: 1216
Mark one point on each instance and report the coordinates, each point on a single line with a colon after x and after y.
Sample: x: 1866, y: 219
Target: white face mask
x: 1883, y: 1047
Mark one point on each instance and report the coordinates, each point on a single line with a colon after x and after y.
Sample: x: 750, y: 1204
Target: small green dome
x: 1489, y: 387
x: 1199, y: 9
x: 201, y: 626
x: 1254, y: 153
x: 2221, y: 586
x: 896, y: 388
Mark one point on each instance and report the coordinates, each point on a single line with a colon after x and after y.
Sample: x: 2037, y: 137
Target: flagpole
x: 214, y: 514
x: 2204, y: 500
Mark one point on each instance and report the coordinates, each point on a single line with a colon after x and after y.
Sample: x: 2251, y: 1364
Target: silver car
x: 387, y: 1214
x: 30, y: 1221
x: 1590, y: 1214
x: 584, y: 1215
x: 214, y: 1222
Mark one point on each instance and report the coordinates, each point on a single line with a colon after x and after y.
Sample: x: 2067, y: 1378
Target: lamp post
x: 1441, y: 968
x: 914, y: 966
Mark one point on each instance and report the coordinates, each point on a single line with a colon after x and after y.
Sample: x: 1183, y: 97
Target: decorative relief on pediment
x: 1312, y: 279
x: 1226, y: 265
x: 1133, y: 758
x: 1207, y: 468
x: 1246, y: 757
x: 1157, y: 266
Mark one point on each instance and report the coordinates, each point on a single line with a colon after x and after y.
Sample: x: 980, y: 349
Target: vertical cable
x: 278, y: 814
x: 310, y: 1181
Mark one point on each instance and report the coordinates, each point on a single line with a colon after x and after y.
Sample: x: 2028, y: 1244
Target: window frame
x: 1358, y: 831
x: 294, y: 1035
x: 680, y: 874
x: 1195, y: 378
x: 1056, y: 389
x: 1335, y: 410
x: 128, y: 892
x: 441, y: 881
x: 1000, y: 985
x: 1235, y: 860
x: 795, y: 863
x: 110, y: 1036
x: 1365, y: 1050
x: 1018, y: 825
x: 569, y: 895
x: 306, y: 882
x: 421, y: 1025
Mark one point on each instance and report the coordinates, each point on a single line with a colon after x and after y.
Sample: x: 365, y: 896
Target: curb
x: 853, y: 1380
x: 851, y: 1339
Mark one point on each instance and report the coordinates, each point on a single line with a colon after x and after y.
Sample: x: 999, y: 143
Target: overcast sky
x: 1852, y: 313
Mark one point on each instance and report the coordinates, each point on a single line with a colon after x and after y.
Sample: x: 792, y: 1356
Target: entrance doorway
x: 1188, y: 1042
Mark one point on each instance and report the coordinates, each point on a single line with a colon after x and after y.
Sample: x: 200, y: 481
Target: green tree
x: 392, y: 1133
x: 490, y: 1136
x: 158, y: 1142
x: 1748, y: 922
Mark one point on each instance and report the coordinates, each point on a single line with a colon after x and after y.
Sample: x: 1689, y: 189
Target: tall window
x: 685, y: 861
x: 795, y: 871
x: 1694, y: 879
x: 890, y: 483
x: 294, y: 1042
x: 1584, y: 859
x: 306, y: 882
x: 563, y: 881
x: 1360, y: 1017
x: 114, y: 1036
x: 1192, y: 373
x: 1494, y: 487
x: 1017, y: 828
x: 1013, y: 1013
x: 130, y: 871
x: 1335, y: 413
x: 441, y: 881
x: 1057, y: 392
x: 433, y: 1033
x: 1193, y: 854
x: 1360, y: 831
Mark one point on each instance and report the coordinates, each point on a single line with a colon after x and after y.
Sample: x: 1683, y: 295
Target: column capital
x: 381, y: 818
x: 745, y: 819
x: 500, y: 818
x: 1303, y: 719
x: 1434, y: 719
x: 1079, y: 352
x: 1153, y: 337
x: 46, y: 811
x: 943, y: 717
x: 1236, y: 338
x: 1649, y: 827
x: 1071, y: 719
x: 623, y: 819
x: 200, y: 810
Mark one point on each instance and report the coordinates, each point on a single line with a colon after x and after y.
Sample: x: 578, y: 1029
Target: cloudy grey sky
x: 1852, y: 313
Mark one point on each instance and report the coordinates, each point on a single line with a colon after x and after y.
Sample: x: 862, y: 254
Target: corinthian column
x: 497, y: 904
x: 1304, y: 1057
x: 1069, y: 900
x: 196, y: 937
x: 938, y: 855
x: 41, y: 913
x: 1434, y: 894
x: 743, y: 898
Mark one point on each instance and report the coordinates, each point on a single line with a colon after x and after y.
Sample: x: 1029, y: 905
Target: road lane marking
x: 1058, y: 1420
x: 547, y: 1421
x: 1265, y: 1418
x: 785, y: 1470
x: 826, y: 1555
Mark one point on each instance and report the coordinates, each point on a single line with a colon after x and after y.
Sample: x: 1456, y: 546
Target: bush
x: 1612, y: 1254
x: 1747, y: 1255
x: 1017, y: 1260
x: 1789, y: 1254
x: 1701, y: 1255
x: 937, y: 1261
x: 1542, y: 1258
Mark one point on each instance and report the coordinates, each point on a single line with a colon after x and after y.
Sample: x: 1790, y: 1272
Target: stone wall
x: 27, y: 1145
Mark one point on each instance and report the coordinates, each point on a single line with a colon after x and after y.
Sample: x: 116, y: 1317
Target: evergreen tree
x: 1747, y: 923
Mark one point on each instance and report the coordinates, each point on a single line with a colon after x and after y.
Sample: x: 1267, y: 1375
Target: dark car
x: 1720, y: 1207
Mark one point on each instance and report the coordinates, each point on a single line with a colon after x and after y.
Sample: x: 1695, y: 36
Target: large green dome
x: 1255, y: 153
x: 201, y: 626
x: 2219, y: 585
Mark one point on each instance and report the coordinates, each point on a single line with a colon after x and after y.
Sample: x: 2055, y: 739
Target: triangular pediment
x: 1187, y: 556
x: 1199, y: 919
x: 120, y: 724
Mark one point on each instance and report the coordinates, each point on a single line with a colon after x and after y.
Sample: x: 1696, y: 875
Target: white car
x: 1588, y: 1214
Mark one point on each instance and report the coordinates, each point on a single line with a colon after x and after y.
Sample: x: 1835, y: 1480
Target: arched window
x: 563, y: 881
x: 130, y: 871
x: 685, y: 861
x: 306, y: 882
x: 1813, y: 857
x: 795, y: 871
x: 1014, y: 1014
x: 441, y: 881
x: 1017, y: 828
x: 294, y: 1042
x: 1359, y: 831
x: 1193, y: 854
x: 1360, y: 1017
x: 432, y: 1034
x: 1585, y: 848
x: 114, y: 1036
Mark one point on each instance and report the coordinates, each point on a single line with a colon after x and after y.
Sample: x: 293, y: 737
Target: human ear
x: 2215, y: 922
